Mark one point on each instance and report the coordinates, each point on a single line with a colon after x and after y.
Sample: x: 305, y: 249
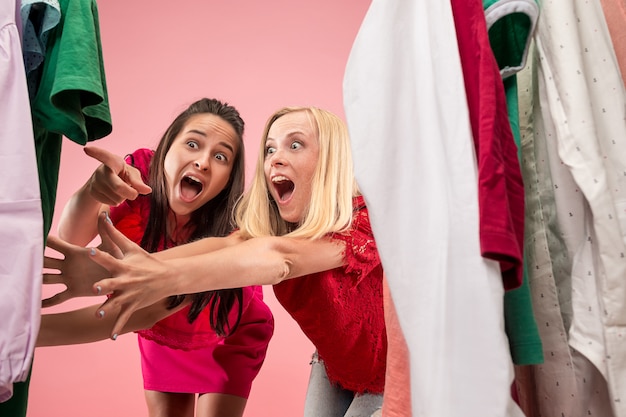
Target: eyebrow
x: 289, y: 135
x: 224, y: 144
x: 227, y: 146
x: 197, y: 131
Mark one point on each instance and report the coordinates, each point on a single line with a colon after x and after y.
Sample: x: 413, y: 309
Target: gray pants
x: 326, y: 400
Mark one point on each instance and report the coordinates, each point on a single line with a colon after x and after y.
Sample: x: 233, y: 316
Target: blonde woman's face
x: 199, y: 162
x: 291, y: 156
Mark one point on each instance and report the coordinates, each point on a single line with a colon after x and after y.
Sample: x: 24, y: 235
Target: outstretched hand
x: 114, y: 181
x: 77, y: 271
x: 137, y: 280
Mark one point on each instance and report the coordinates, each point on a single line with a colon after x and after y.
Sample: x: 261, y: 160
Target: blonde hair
x: 334, y: 186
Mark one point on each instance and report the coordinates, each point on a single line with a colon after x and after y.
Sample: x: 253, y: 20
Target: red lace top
x: 174, y: 331
x: 341, y: 310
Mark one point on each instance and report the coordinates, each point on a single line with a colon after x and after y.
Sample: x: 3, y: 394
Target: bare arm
x: 79, y: 326
x: 77, y: 223
x: 77, y: 271
x: 259, y: 261
x: 199, y: 247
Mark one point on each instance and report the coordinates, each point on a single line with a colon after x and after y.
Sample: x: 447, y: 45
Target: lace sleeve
x: 360, y: 254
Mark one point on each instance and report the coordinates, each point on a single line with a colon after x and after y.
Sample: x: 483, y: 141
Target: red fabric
x: 500, y: 187
x: 341, y: 310
x: 131, y: 217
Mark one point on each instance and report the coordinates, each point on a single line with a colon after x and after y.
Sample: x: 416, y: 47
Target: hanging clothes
x: 72, y: 98
x: 510, y: 26
x: 500, y: 188
x: 415, y: 163
x: 548, y: 263
x: 21, y: 235
x: 39, y: 17
x: 579, y: 123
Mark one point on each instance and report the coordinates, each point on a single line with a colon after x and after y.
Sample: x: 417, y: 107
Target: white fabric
x: 584, y: 105
x: 547, y: 389
x: 21, y: 221
x: 414, y: 160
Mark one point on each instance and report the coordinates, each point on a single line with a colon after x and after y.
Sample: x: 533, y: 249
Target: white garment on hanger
x: 21, y: 221
x: 583, y: 98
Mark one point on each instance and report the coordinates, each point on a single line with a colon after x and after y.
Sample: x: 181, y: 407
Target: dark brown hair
x: 214, y: 218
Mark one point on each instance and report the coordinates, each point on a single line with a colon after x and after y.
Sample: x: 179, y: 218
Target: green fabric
x: 72, y: 99
x: 520, y: 324
x: 48, y: 153
x: 510, y: 25
x: 509, y: 36
x: 17, y: 405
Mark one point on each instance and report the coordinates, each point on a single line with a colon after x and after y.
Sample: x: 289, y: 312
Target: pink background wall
x: 159, y: 57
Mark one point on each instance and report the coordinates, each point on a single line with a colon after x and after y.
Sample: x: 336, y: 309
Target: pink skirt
x: 225, y: 365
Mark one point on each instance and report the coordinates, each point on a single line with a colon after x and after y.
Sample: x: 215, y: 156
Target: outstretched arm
x: 77, y: 271
x: 78, y: 326
x: 140, y: 279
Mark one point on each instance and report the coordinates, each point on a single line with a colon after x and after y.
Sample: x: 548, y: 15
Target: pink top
x: 341, y: 310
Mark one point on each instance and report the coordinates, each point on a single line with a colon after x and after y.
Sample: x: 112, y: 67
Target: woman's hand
x: 114, y: 181
x: 137, y: 280
x: 77, y: 271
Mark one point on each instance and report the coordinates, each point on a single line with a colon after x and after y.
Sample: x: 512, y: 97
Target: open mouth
x: 284, y: 187
x: 190, y: 188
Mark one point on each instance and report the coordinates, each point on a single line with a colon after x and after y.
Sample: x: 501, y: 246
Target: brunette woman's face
x: 199, y: 162
x: 291, y: 155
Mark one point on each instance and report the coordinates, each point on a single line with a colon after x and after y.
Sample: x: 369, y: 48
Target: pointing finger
x: 113, y: 161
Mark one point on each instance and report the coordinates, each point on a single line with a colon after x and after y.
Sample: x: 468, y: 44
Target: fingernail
x: 114, y: 337
x: 101, y: 313
x: 92, y: 252
x: 98, y: 289
x: 107, y: 218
